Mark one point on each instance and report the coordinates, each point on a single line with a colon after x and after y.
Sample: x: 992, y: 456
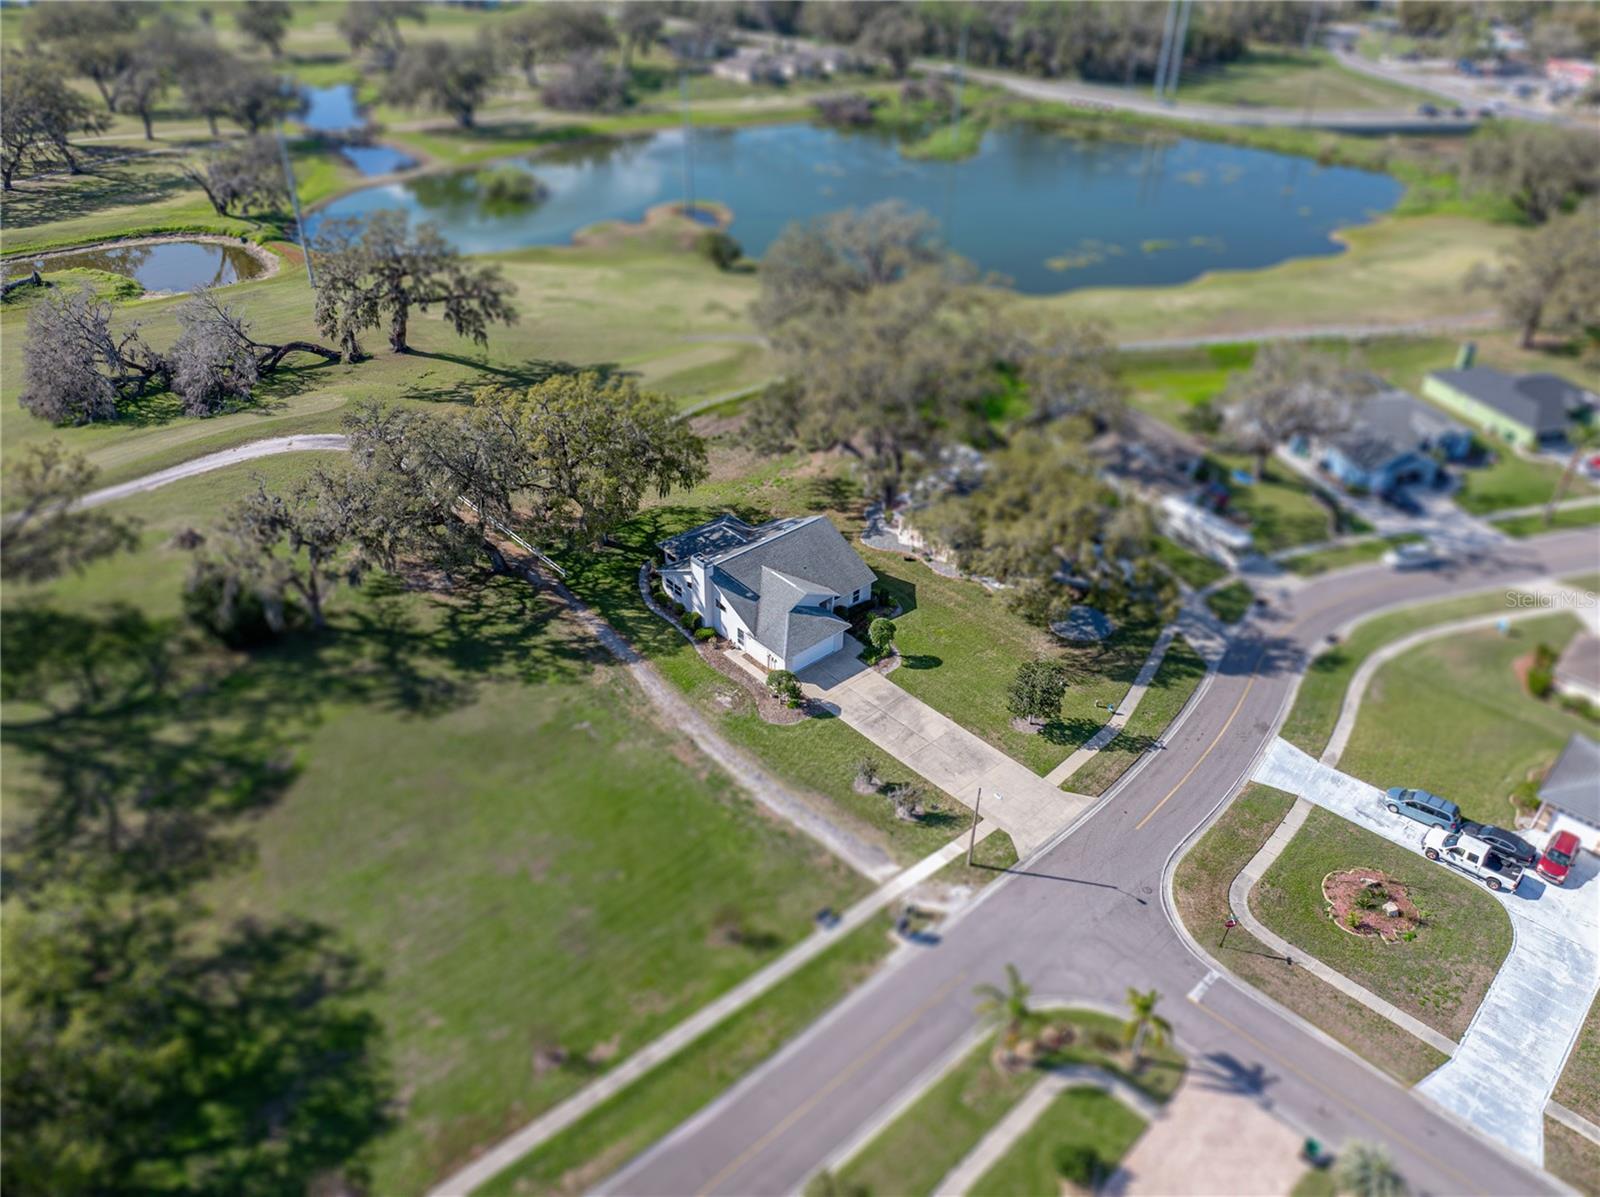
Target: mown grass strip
x: 1180, y: 672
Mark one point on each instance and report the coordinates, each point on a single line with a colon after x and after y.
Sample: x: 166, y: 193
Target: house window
x: 738, y: 637
x: 721, y: 606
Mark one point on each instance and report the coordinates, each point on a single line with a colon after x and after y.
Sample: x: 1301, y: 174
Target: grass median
x: 917, y: 1150
x: 607, y: 1137
x: 1231, y: 603
x: 1579, y: 1086
x: 1439, y: 977
x: 1180, y: 672
x: 1200, y: 891
x: 1309, y: 565
x: 1078, y: 1119
x: 1521, y: 526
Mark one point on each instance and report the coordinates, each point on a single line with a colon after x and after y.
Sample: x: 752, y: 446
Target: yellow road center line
x: 810, y: 1103
x: 1139, y: 826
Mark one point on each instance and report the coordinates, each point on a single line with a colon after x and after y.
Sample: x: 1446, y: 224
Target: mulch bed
x: 1342, y: 888
x: 768, y: 705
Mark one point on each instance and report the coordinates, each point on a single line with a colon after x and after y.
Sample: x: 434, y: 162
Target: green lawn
x: 1077, y: 1118
x: 475, y: 798
x: 914, y: 1152
x: 1200, y: 891
x: 1195, y: 570
x: 1439, y: 977
x: 1511, y: 482
x: 1282, y: 509
x: 1277, y: 77
x: 1316, y: 706
x: 961, y: 646
x: 1499, y: 734
x: 1180, y: 672
x: 1323, y: 561
x: 603, y: 1140
x: 1232, y: 603
x: 1565, y: 517
x: 1579, y: 1086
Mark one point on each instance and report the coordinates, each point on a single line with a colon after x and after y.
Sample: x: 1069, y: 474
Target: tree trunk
x: 1530, y: 326
x: 149, y: 133
x: 1261, y: 463
x: 273, y: 358
x: 1560, y: 491
x: 211, y: 119
x: 397, y: 328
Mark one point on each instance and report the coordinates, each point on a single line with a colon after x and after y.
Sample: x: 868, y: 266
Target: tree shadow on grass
x: 128, y: 183
x: 921, y: 661
x: 1075, y: 731
x: 523, y: 374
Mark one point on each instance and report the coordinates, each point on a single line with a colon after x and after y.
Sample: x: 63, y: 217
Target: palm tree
x: 1582, y: 438
x: 1009, y: 1005
x: 1364, y: 1170
x: 1144, y: 1026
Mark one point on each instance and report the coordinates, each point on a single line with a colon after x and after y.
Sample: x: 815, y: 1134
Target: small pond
x: 374, y: 160
x: 159, y: 266
x: 332, y: 109
x: 1051, y: 213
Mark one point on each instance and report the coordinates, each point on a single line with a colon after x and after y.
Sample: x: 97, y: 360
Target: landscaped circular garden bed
x: 1370, y: 902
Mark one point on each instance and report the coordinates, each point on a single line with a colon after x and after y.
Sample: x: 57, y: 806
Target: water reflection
x: 159, y: 266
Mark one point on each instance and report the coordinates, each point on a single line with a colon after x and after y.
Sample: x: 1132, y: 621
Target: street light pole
x: 972, y: 841
x: 1166, y: 46
x: 294, y: 200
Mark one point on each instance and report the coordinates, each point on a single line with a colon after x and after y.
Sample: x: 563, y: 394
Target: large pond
x: 333, y: 110
x: 1049, y: 212
x: 158, y: 266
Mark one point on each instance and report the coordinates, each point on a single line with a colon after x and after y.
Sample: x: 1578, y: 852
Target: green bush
x: 704, y: 634
x: 785, y: 685
x: 508, y: 187
x: 1540, y: 681
x: 719, y: 248
x: 1078, y: 1164
x: 881, y: 632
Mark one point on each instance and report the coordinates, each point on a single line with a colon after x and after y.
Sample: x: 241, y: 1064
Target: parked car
x: 1506, y: 844
x: 1458, y: 111
x: 1559, y: 855
x: 1485, y: 113
x: 1403, y: 500
x: 1412, y: 555
x: 1424, y: 807
x: 1427, y: 110
x: 1469, y: 855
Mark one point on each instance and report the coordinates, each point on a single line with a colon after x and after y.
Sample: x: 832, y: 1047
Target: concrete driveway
x: 1027, y: 807
x: 1512, y: 1054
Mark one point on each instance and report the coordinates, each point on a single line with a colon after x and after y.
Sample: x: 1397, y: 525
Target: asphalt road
x: 1085, y: 918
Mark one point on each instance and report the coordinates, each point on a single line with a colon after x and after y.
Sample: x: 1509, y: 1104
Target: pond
x: 1048, y: 212
x: 331, y: 109
x: 377, y: 159
x: 158, y: 266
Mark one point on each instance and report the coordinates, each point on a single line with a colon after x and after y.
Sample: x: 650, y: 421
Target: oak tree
x: 46, y: 532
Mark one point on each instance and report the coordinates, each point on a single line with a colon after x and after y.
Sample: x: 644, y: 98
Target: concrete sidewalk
x: 1512, y: 1054
x: 1025, y: 805
x: 1125, y: 708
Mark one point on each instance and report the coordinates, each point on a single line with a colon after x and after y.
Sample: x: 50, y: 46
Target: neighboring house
x: 1577, y: 671
x: 749, y: 65
x: 1530, y: 411
x: 1393, y: 443
x: 1569, y: 799
x: 777, y: 591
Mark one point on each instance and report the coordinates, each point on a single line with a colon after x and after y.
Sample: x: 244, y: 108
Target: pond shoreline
x: 269, y: 262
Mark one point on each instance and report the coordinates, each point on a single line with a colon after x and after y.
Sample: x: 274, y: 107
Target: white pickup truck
x: 1469, y: 855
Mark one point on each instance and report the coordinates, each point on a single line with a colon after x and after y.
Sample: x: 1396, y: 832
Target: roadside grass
x: 961, y: 646
x: 1499, y: 734
x: 1276, y: 77
x: 1082, y: 1118
x: 1440, y: 977
x: 994, y: 855
x: 1232, y: 603
x: 1309, y: 565
x: 1572, y: 1157
x: 1200, y: 892
x: 607, y: 1137
x: 1315, y: 1182
x: 1197, y: 571
x: 1579, y: 1086
x: 914, y: 1152
x: 1321, y: 695
x: 472, y: 796
x: 1565, y: 517
x: 1180, y: 672
x: 1511, y: 482
x: 655, y: 294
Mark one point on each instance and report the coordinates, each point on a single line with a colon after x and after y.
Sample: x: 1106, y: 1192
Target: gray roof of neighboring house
x: 1573, y: 783
x: 1542, y: 402
x: 766, y: 572
x: 1389, y: 425
x: 721, y: 534
x: 1580, y: 662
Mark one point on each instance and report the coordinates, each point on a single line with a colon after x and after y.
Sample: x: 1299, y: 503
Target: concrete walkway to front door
x: 1025, y: 805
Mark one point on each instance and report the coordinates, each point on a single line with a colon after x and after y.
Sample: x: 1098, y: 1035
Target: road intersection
x: 1088, y: 916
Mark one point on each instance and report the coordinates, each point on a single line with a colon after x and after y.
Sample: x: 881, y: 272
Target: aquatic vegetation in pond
x: 506, y: 188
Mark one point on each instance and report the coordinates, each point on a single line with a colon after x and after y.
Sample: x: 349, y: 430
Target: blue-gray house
x: 1396, y: 440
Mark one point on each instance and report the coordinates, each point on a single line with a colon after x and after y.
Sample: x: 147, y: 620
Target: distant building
x: 1577, y: 671
x: 1569, y: 799
x: 749, y: 65
x: 1572, y: 72
x: 1396, y: 440
x: 1530, y: 411
x: 776, y: 590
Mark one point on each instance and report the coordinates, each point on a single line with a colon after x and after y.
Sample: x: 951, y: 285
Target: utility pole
x: 1175, y: 59
x: 961, y: 75
x: 972, y: 841
x: 1166, y: 45
x: 688, y: 156
x: 294, y: 200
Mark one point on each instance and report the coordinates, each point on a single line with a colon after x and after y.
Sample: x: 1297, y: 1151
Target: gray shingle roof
x: 766, y: 573
x: 1390, y: 425
x: 1580, y: 662
x: 1573, y: 784
x: 1542, y: 402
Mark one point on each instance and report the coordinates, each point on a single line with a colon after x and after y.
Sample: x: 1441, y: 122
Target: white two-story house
x: 777, y: 591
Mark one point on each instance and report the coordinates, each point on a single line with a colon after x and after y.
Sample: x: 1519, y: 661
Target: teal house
x: 1530, y: 411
